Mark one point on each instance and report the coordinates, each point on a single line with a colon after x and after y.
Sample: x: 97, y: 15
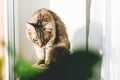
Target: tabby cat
x: 47, y: 32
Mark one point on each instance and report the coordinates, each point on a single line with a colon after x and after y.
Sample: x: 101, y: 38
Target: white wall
x: 115, y: 40
x: 73, y: 14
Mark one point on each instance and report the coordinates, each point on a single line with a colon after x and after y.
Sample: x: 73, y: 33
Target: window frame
x: 10, y: 38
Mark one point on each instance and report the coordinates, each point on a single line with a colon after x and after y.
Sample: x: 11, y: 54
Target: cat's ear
x: 33, y: 24
x: 30, y: 26
x: 38, y: 24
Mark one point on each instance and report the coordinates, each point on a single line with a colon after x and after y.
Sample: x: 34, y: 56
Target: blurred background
x: 103, y: 32
x: 2, y: 52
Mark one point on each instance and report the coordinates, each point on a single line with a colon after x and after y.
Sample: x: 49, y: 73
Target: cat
x: 48, y: 34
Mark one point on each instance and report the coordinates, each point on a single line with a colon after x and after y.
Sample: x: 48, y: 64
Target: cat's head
x: 40, y: 26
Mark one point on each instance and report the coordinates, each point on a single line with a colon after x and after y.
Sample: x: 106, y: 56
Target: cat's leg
x: 40, y: 55
x: 48, y: 55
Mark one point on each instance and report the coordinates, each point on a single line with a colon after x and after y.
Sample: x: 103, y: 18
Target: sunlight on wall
x: 73, y: 14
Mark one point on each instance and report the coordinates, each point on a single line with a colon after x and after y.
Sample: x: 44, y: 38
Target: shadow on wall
x: 79, y: 39
x: 95, y: 42
x: 95, y: 36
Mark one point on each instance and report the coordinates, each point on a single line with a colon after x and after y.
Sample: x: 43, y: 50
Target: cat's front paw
x: 40, y: 62
x: 48, y: 62
x: 41, y: 67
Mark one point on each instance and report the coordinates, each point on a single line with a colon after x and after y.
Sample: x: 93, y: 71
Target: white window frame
x: 9, y: 38
x: 107, y: 41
